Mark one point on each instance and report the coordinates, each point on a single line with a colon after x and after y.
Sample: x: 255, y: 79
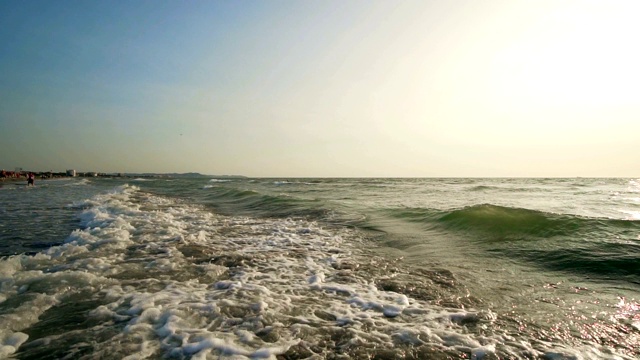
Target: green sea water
x: 205, y: 267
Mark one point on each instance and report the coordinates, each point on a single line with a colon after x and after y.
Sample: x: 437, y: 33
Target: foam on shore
x: 157, y: 278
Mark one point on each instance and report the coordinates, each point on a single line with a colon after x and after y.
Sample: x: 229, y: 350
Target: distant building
x: 71, y: 173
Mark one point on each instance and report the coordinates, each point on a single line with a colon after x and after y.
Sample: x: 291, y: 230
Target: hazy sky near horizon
x: 322, y: 88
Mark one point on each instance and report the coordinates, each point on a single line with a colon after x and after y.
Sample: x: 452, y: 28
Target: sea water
x: 236, y: 268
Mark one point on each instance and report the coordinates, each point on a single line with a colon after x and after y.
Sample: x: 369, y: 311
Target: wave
x: 248, y: 202
x: 502, y: 220
x: 81, y: 182
x: 613, y: 261
x: 556, y: 241
x: 284, y: 182
x: 487, y: 188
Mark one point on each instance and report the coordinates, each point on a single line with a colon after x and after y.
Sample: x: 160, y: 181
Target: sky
x: 270, y: 88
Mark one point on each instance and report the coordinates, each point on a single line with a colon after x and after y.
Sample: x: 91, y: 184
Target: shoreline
x: 13, y: 180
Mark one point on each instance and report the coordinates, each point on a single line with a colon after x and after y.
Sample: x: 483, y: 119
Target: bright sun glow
x: 579, y: 55
x: 330, y: 88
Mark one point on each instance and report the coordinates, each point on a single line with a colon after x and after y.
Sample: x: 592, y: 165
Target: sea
x: 206, y: 267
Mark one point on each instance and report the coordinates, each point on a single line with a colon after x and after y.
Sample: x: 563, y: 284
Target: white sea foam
x: 80, y: 182
x: 184, y: 282
x: 282, y: 182
x: 10, y: 342
x: 631, y: 214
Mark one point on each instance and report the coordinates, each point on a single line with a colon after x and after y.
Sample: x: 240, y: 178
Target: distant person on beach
x: 30, y: 179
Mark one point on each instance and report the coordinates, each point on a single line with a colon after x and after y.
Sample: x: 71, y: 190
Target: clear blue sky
x: 321, y: 88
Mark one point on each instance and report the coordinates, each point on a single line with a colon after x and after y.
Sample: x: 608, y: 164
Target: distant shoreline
x: 24, y: 178
x: 60, y: 176
x: 13, y: 179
